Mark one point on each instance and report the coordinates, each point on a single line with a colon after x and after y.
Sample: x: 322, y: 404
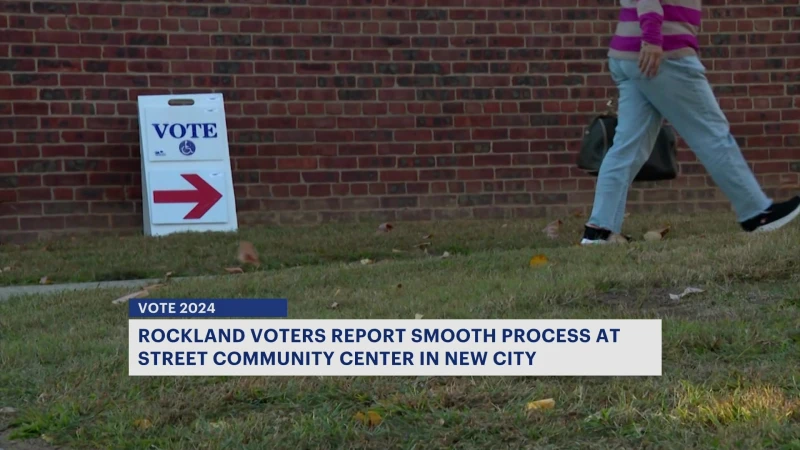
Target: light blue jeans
x: 681, y: 94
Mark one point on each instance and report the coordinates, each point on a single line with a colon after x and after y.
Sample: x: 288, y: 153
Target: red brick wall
x: 360, y: 109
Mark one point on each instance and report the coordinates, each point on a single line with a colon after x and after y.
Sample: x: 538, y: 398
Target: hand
x: 650, y: 59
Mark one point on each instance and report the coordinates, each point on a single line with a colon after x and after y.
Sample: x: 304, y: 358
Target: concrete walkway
x: 7, y: 292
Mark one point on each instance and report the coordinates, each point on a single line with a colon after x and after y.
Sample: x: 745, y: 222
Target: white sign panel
x: 410, y: 348
x: 186, y: 169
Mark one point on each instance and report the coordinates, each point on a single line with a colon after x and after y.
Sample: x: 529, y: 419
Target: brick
x: 360, y: 109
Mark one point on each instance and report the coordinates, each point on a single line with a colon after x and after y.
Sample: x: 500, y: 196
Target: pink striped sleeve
x: 651, y: 16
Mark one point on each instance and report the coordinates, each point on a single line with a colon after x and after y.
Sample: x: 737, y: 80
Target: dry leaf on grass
x: 427, y: 237
x: 385, y: 227
x: 6, y: 269
x: 127, y: 297
x: 47, y: 438
x: 687, y: 291
x: 418, y: 316
x: 552, y: 229
x: 547, y: 403
x: 538, y: 260
x: 142, y: 424
x: 334, y: 305
x: 167, y: 275
x: 138, y: 294
x: 371, y: 418
x: 45, y: 280
x: 423, y: 245
x: 7, y: 410
x: 446, y: 255
x: 366, y: 261
x: 337, y: 292
x: 218, y: 425
x: 234, y: 270
x: 656, y: 235
x: 394, y: 250
x: 247, y: 253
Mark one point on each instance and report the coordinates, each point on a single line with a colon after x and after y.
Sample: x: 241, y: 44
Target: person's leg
x: 683, y: 95
x: 635, y: 135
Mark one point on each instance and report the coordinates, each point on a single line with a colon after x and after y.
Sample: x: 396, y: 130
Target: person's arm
x: 651, y: 16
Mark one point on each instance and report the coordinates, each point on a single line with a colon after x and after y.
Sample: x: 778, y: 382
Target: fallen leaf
x: 418, y: 316
x: 371, y: 418
x: 427, y: 237
x: 7, y: 410
x: 218, y: 425
x: 446, y: 255
x: 138, y: 294
x: 441, y: 422
x: 423, y: 245
x: 247, y: 253
x: 127, y: 297
x: 47, y: 438
x: 538, y: 260
x: 374, y: 418
x: 234, y: 270
x: 687, y: 291
x: 551, y: 230
x: 547, y: 403
x: 652, y: 236
x: 142, y: 424
x: 505, y: 225
x: 337, y: 292
x: 334, y: 305
x: 394, y: 250
x: 656, y: 235
x: 6, y: 269
x: 385, y: 227
x: 366, y: 261
x: 167, y: 275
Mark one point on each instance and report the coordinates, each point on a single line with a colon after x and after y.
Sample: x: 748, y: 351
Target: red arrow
x: 203, y: 194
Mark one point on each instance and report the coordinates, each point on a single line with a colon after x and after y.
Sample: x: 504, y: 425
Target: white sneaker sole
x: 780, y: 223
x: 591, y: 242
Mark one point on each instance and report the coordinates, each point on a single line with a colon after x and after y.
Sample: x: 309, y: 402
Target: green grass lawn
x: 731, y: 354
x: 102, y: 258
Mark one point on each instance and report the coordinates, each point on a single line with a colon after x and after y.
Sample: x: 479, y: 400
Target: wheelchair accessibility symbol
x: 187, y: 148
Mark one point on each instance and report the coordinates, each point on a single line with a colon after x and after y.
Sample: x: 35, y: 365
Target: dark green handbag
x: 599, y: 137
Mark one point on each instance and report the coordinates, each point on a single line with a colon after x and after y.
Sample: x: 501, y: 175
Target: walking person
x: 653, y: 59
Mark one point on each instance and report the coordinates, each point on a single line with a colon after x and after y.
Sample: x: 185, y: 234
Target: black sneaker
x: 592, y: 236
x: 775, y: 217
